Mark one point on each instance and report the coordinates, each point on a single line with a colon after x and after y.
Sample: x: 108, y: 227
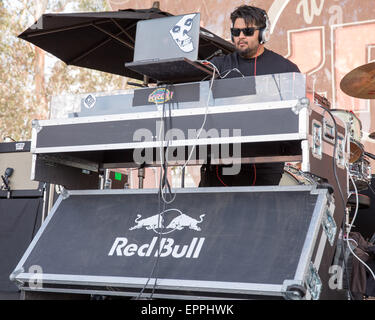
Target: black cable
x: 165, y: 151
x: 334, y: 155
x: 341, y: 194
x: 277, y: 86
x: 162, y: 177
x: 162, y: 183
x: 343, y: 249
x: 340, y: 190
x: 165, y: 182
x: 227, y: 73
x: 160, y: 248
x: 157, y: 258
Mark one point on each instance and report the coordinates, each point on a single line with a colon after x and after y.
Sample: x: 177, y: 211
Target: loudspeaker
x: 17, y: 156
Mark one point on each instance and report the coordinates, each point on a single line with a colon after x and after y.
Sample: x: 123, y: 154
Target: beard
x: 247, y: 52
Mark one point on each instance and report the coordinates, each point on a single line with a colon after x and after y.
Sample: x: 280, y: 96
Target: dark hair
x: 251, y: 15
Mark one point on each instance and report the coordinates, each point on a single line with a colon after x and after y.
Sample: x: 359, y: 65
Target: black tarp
x: 104, y: 40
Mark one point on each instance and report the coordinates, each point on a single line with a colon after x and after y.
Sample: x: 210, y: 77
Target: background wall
x: 325, y: 38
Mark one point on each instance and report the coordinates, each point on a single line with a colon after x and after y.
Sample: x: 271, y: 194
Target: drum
x: 361, y: 174
x: 355, y: 131
x: 294, y: 177
x: 356, y: 151
x: 288, y: 179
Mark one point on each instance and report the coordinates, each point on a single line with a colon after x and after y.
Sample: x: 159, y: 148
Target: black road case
x: 238, y: 242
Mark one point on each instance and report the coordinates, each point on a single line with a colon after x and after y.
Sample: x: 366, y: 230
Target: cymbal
x: 360, y: 82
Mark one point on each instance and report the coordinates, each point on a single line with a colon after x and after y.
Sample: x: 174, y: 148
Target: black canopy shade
x: 104, y: 40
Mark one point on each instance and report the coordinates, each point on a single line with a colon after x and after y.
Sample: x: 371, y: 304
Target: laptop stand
x: 174, y: 70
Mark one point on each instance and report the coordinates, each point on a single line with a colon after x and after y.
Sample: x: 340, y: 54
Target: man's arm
x: 218, y: 62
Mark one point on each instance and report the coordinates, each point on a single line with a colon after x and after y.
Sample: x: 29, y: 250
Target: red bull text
x: 167, y: 247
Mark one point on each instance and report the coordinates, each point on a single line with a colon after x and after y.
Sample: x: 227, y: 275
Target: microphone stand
x: 5, y: 185
x: 370, y: 155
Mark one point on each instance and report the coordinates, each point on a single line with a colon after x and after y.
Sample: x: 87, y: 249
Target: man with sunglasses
x: 250, y: 30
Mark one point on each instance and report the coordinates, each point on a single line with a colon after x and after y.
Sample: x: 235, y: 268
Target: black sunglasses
x: 248, y: 32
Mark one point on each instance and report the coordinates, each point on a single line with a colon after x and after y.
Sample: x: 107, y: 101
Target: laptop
x: 166, y: 49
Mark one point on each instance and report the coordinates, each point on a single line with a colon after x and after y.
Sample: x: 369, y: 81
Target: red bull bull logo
x: 160, y: 95
x: 183, y: 221
x: 163, y: 223
x: 157, y: 222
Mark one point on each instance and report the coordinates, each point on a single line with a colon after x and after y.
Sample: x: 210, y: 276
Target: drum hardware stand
x: 347, y: 223
x: 370, y: 155
x: 44, y: 188
x: 7, y: 174
x: 101, y: 179
x: 141, y: 176
x: 104, y: 181
x: 107, y: 180
x: 183, y: 177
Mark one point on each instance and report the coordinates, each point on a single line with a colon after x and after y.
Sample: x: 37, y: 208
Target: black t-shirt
x: 268, y: 62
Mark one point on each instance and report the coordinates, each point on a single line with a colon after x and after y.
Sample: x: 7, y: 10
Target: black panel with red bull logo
x: 238, y: 242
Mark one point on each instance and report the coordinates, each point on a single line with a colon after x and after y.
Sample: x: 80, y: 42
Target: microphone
x: 7, y: 174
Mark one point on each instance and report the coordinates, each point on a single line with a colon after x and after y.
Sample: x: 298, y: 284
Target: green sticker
x: 118, y: 176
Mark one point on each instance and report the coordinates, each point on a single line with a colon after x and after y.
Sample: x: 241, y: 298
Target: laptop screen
x: 166, y: 38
